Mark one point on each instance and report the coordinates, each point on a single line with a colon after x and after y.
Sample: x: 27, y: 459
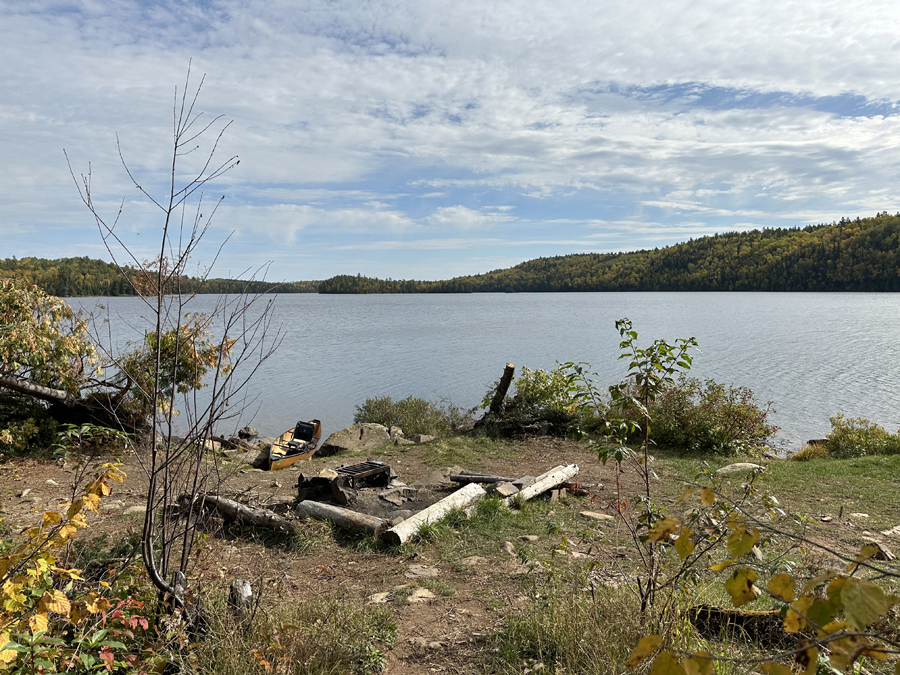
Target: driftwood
x: 30, y: 388
x: 544, y: 482
x: 496, y: 407
x: 343, y: 518
x: 409, y: 528
x: 232, y: 510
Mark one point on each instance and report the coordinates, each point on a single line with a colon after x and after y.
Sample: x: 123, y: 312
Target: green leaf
x: 864, y: 602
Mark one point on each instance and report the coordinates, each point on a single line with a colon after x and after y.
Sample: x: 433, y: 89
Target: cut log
x: 409, y: 528
x: 496, y: 407
x: 232, y: 510
x: 544, y: 482
x: 343, y: 518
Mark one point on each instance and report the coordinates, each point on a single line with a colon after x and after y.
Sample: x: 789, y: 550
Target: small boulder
x: 420, y: 595
x: 357, y: 438
x: 505, y: 489
x: 421, y: 438
x: 529, y: 538
x: 508, y: 548
x: 247, y: 433
x: 739, y: 467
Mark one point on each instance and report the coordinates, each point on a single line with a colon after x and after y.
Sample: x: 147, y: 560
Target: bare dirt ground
x: 445, y: 600
x: 441, y: 632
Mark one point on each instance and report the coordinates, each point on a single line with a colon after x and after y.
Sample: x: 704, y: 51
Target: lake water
x: 812, y: 355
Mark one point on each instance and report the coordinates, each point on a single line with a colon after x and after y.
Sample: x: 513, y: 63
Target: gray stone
x: 51, y: 482
x: 403, y: 441
x: 24, y: 493
x: 596, y: 515
x: 134, y: 509
x: 114, y: 504
x: 247, y: 433
x: 422, y: 572
x: 859, y: 515
x: 420, y: 595
x: 739, y: 467
x: 529, y: 537
x: 379, y: 598
x: 396, y: 433
x: 356, y: 438
x: 421, y: 438
x: 508, y: 547
x: 505, y: 489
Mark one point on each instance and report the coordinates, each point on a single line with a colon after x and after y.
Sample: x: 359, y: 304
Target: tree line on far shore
x: 850, y: 255
x: 74, y: 277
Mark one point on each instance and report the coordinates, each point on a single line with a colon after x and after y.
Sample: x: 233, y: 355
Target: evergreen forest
x: 850, y: 255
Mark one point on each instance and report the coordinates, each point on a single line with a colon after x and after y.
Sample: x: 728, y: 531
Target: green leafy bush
x: 413, y: 415
x: 857, y: 436
x: 710, y: 417
x: 542, y: 390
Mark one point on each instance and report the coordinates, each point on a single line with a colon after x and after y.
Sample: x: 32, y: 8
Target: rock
x: 240, y: 596
x: 211, y: 445
x: 596, y: 515
x: 739, y: 467
x: 529, y: 537
x: 51, y: 482
x: 505, y: 489
x: 134, y: 509
x: 24, y: 493
x: 396, y: 433
x: 378, y: 598
x: 331, y: 474
x: 247, y: 433
x: 859, y: 515
x: 826, y: 519
x: 473, y: 560
x: 356, y: 438
x: 893, y: 532
x: 403, y: 441
x: 114, y: 504
x: 421, y: 438
x: 508, y: 547
x: 422, y: 572
x: 420, y: 595
x: 578, y: 555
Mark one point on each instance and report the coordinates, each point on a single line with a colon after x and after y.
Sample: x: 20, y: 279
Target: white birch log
x: 409, y: 528
x: 543, y: 483
x: 344, y: 518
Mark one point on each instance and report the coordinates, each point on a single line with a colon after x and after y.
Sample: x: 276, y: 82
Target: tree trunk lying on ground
x: 410, y: 527
x: 343, y: 518
x: 544, y: 482
x: 232, y: 510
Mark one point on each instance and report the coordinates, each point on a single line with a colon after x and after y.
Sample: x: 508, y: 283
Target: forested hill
x: 852, y: 255
x: 72, y: 277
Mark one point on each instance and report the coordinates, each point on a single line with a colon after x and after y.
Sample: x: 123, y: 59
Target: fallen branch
x: 343, y: 518
x: 232, y: 510
x: 479, y: 478
x: 410, y: 527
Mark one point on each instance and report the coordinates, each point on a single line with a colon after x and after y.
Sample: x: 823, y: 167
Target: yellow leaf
x: 740, y: 586
x: 865, y: 553
x: 38, y: 622
x: 864, y: 602
x: 645, y: 647
x: 809, y: 660
x: 56, y: 601
x: 718, y: 567
x: 662, y: 528
x: 782, y: 587
x: 51, y: 518
x: 666, y: 664
x: 845, y: 651
x: 686, y: 494
x: 741, y: 540
x: 795, y: 620
x: 707, y: 497
x: 776, y: 669
x: 9, y: 655
x: 67, y: 532
x: 95, y: 603
x: 684, y: 545
x: 91, y: 501
x: 833, y: 627
x: 701, y: 663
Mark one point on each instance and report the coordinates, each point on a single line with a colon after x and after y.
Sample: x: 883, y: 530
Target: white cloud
x: 463, y: 218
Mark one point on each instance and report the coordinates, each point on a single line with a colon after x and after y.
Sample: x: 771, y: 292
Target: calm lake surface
x: 812, y: 355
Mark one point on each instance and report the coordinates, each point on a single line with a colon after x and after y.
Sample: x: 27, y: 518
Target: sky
x: 431, y: 139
